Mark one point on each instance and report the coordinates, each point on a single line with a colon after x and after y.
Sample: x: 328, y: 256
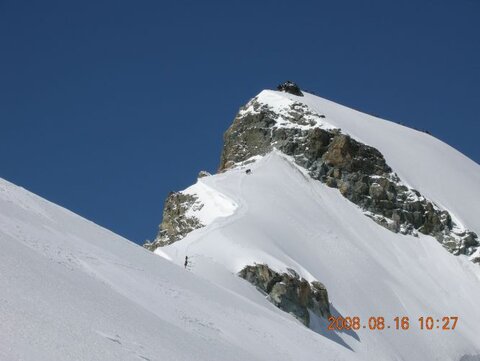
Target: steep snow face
x: 287, y: 220
x: 71, y: 290
x: 425, y: 163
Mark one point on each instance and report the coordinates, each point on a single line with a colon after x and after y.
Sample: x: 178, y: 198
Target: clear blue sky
x: 106, y: 106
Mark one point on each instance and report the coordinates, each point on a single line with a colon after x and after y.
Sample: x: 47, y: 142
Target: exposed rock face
x: 176, y: 222
x: 359, y: 171
x: 290, y: 87
x: 289, y: 292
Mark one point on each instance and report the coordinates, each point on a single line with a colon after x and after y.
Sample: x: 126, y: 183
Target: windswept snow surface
x: 71, y: 290
x: 286, y: 219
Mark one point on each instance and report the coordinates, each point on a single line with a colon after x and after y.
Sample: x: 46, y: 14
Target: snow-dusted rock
x: 289, y: 292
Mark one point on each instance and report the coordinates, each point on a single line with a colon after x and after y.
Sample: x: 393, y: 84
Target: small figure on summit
x: 186, y: 262
x: 290, y: 87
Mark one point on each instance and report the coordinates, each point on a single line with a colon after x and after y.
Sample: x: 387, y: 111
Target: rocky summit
x: 357, y: 170
x: 290, y: 87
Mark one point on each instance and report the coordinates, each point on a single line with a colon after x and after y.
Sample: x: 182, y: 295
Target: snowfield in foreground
x: 71, y: 290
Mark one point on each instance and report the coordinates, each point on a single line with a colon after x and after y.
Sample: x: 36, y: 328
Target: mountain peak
x: 279, y: 121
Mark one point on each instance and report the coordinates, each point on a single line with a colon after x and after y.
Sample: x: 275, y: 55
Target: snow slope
x: 287, y: 220
x: 71, y: 290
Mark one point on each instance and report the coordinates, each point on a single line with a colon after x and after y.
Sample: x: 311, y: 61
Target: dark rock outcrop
x: 203, y: 173
x: 289, y: 292
x: 176, y: 223
x: 357, y: 170
x: 290, y: 87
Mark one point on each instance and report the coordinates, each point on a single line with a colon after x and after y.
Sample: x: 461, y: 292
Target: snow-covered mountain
x: 340, y: 214
x: 384, y: 216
